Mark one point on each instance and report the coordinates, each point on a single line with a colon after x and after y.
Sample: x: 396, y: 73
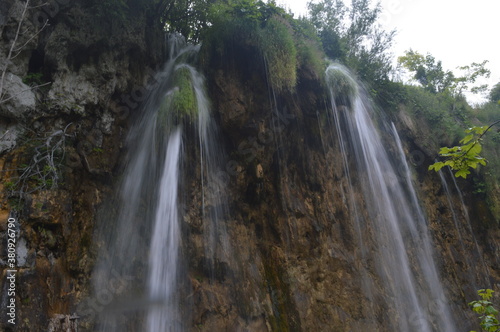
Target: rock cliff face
x: 293, y: 262
x: 67, y: 101
x: 293, y: 235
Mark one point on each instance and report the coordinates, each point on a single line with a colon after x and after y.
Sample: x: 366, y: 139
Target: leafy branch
x: 471, y: 74
x: 461, y: 158
x: 484, y: 308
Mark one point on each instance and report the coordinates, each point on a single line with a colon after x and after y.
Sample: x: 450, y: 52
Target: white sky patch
x: 457, y: 32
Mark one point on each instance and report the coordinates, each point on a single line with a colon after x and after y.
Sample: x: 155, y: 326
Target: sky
x: 457, y: 32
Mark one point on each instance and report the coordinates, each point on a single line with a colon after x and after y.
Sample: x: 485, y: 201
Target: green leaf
x: 485, y: 294
x: 474, y: 149
x: 436, y: 166
x: 462, y: 173
x: 472, y: 164
x: 444, y: 150
x: 467, y: 139
x: 491, y: 311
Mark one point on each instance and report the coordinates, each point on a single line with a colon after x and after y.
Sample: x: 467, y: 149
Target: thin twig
x: 39, y: 6
x: 29, y: 89
x: 4, y: 134
x: 44, y: 165
x: 19, y: 49
x: 11, y: 50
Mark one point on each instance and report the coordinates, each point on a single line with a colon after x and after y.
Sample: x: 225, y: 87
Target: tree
x: 470, y: 76
x: 427, y: 71
x: 187, y: 17
x: 495, y: 93
x: 328, y: 17
x: 431, y: 75
x: 350, y: 34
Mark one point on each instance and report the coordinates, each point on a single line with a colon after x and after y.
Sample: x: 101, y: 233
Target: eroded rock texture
x: 66, y: 105
x: 293, y: 262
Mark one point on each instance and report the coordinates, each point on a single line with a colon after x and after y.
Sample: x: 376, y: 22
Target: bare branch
x: 4, y: 134
x: 30, y: 88
x: 19, y: 49
x: 43, y: 169
x: 39, y: 6
x: 11, y: 50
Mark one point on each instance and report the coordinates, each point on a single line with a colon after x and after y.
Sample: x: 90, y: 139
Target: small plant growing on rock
x: 278, y: 48
x: 261, y: 28
x: 487, y: 313
x: 184, y: 99
x: 33, y: 79
x: 42, y: 170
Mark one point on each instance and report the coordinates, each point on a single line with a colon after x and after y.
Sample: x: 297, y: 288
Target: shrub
x: 310, y: 56
x: 33, y: 79
x: 488, y: 112
x: 278, y: 48
x: 247, y: 27
x: 438, y: 110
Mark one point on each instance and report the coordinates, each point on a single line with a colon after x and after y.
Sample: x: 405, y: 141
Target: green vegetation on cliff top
x: 272, y: 42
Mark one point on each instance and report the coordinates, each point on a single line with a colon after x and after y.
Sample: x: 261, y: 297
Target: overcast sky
x: 457, y: 32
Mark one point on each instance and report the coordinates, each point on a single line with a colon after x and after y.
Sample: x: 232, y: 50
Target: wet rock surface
x: 61, y: 147
x: 293, y: 263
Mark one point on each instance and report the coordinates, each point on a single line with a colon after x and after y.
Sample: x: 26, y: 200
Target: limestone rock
x: 63, y: 323
x: 9, y: 134
x: 18, y: 98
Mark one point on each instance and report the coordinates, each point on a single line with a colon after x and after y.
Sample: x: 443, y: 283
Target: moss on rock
x: 184, y: 98
x: 278, y: 47
x: 340, y: 82
x: 180, y: 102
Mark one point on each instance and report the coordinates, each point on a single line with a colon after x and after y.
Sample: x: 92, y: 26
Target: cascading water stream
x: 348, y: 196
x: 163, y: 254
x: 142, y: 241
x: 465, y: 233
x: 393, y: 229
x: 453, y: 211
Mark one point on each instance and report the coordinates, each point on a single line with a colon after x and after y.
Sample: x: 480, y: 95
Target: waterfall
x: 468, y: 242
x: 164, y: 248
x: 392, y: 228
x: 140, y: 277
